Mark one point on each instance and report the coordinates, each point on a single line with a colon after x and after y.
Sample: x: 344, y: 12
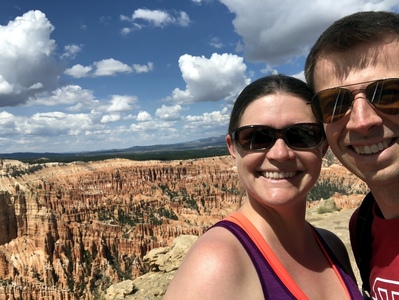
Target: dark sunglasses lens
x: 299, y: 136
x: 384, y: 95
x: 255, y: 138
x: 331, y: 105
x: 304, y: 136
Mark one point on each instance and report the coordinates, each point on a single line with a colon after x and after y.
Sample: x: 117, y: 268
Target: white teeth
x: 372, y: 148
x: 278, y: 175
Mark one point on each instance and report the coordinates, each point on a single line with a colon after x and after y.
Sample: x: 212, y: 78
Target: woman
x: 266, y: 250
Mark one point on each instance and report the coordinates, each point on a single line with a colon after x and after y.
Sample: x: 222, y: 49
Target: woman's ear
x: 230, y: 145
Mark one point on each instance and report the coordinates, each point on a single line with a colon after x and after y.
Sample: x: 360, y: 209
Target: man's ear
x: 230, y: 145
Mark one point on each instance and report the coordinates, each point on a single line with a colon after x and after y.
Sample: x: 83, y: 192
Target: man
x: 354, y: 70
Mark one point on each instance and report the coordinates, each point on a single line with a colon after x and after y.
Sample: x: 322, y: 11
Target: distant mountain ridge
x: 212, y: 146
x: 201, y: 143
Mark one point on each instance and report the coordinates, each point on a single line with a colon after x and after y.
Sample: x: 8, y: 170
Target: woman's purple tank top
x: 272, y: 286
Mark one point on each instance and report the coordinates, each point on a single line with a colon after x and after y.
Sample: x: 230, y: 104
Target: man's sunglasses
x: 301, y: 136
x: 331, y: 105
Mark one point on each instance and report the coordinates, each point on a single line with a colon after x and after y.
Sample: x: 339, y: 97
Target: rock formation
x: 163, y: 263
x: 70, y: 231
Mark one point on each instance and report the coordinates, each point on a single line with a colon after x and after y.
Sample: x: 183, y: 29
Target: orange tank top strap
x: 268, y: 253
x: 242, y: 221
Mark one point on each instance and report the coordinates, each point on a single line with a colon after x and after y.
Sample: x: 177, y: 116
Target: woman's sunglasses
x: 302, y: 136
x: 332, y: 104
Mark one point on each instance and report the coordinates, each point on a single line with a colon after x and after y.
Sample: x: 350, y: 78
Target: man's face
x: 365, y: 140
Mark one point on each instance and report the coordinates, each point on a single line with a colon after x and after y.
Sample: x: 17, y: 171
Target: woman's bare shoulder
x: 212, y: 269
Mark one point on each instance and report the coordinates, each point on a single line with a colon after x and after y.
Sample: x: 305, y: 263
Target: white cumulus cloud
x: 169, y: 113
x: 277, y: 32
x: 222, y: 76
x: 28, y: 63
x: 157, y: 18
x: 109, y: 67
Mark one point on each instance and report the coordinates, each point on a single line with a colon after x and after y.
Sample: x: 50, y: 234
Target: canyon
x: 73, y: 230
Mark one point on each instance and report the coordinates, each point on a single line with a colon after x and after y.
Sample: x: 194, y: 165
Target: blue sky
x: 90, y: 75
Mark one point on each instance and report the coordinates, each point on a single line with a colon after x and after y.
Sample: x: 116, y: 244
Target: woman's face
x: 277, y: 176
